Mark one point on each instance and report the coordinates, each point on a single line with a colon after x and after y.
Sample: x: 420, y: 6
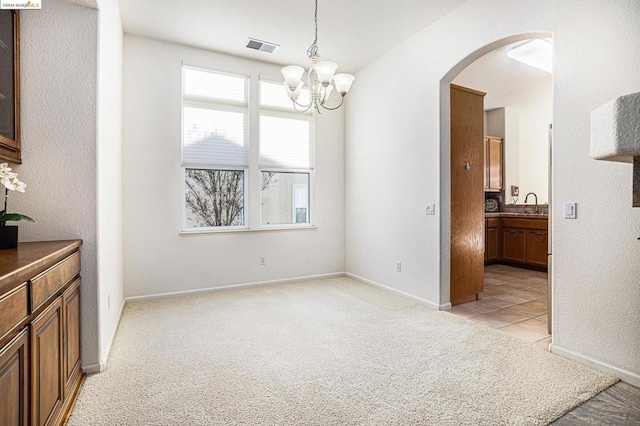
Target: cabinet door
x: 492, y: 244
x: 537, y: 248
x: 486, y: 163
x: 47, y: 378
x: 71, y: 327
x: 513, y: 245
x: 495, y: 164
x: 14, y: 381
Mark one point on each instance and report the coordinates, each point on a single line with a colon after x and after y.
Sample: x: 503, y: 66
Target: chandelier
x: 319, y: 78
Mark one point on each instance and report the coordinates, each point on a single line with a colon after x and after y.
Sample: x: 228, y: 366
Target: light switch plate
x: 570, y: 210
x: 431, y: 209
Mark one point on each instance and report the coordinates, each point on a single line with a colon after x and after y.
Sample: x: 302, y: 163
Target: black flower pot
x: 8, y: 237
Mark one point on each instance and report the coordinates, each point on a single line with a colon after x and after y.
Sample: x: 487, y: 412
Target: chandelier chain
x: 313, y: 49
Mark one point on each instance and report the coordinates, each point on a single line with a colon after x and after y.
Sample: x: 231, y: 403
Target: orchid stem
x: 6, y: 199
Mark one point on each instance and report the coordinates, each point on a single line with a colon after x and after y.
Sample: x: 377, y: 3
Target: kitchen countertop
x: 518, y: 215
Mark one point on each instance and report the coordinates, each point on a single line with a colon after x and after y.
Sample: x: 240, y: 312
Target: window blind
x: 275, y: 95
x: 285, y: 143
x: 214, y: 136
x: 214, y: 85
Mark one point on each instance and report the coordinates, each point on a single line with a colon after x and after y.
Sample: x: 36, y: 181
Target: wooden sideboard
x: 40, y: 355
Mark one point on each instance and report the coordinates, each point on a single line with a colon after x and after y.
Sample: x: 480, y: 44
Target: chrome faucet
x: 536, y: 197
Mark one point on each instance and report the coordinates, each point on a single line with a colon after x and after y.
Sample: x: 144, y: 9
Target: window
x: 286, y: 158
x: 226, y: 164
x: 214, y: 149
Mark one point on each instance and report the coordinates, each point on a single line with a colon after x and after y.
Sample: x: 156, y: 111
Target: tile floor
x: 514, y: 301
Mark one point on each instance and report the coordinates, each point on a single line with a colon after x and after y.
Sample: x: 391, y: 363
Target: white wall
x: 158, y: 259
x: 58, y: 65
x: 109, y: 174
x: 533, y: 165
x: 395, y: 146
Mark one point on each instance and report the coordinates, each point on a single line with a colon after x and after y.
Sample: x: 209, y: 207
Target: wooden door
x: 513, y: 245
x: 14, y: 381
x: 537, y: 248
x: 467, y: 195
x: 494, y: 155
x: 47, y: 391
x: 71, y: 342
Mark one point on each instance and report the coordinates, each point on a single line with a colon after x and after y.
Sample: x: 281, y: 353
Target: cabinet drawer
x: 492, y: 222
x: 49, y: 282
x: 508, y: 222
x: 13, y: 309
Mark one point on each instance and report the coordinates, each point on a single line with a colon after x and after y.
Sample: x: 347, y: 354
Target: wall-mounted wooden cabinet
x: 493, y: 164
x: 40, y: 373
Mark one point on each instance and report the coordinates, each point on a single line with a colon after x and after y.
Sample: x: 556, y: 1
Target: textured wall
x: 109, y: 174
x: 157, y: 258
x: 58, y: 62
x: 596, y: 268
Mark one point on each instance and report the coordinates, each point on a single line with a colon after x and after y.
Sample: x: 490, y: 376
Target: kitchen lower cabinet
x: 537, y: 248
x: 492, y: 240
x: 40, y: 372
x: 514, y: 245
x: 525, y: 242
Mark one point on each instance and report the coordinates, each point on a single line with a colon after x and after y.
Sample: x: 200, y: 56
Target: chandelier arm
x: 305, y: 108
x: 335, y: 108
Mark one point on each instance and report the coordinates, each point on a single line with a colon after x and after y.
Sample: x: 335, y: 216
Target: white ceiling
x: 350, y: 32
x: 505, y: 81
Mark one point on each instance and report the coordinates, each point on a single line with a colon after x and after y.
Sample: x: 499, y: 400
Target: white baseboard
x: 625, y: 376
x: 398, y: 292
x: 91, y: 368
x: 232, y: 287
x: 103, y: 362
x: 99, y: 368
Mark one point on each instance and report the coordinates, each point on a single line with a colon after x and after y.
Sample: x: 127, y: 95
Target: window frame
x: 215, y: 104
x: 280, y: 112
x: 252, y: 194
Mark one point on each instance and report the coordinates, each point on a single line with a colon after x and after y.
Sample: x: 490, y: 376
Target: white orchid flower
x: 5, y: 178
x: 16, y: 185
x: 5, y: 167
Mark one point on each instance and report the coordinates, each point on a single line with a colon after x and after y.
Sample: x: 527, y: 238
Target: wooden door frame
x: 445, y: 158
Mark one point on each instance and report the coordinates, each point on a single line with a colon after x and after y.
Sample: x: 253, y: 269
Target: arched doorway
x: 445, y: 155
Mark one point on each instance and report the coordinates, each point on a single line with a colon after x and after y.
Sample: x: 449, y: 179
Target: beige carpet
x: 330, y: 352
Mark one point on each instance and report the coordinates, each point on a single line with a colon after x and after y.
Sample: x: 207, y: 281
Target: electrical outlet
x: 108, y: 301
x: 263, y: 260
x: 431, y: 208
x: 398, y: 266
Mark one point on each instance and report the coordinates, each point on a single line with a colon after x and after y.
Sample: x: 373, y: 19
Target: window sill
x: 241, y: 230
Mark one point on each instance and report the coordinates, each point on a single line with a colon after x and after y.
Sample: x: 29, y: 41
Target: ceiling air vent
x: 263, y: 46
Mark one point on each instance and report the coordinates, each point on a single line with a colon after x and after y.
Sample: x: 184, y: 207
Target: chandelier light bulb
x: 327, y: 93
x: 343, y: 83
x: 292, y: 76
x: 325, y: 71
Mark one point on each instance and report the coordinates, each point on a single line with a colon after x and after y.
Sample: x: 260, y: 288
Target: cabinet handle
x: 512, y: 233
x: 541, y: 234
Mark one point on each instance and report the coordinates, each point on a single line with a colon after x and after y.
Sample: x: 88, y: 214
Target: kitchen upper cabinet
x: 493, y: 164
